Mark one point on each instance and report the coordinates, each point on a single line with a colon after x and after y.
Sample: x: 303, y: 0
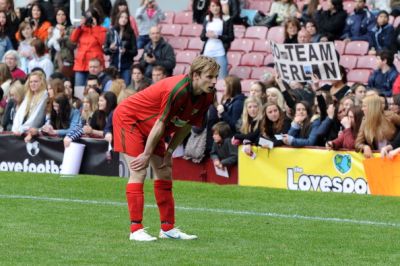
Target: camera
x: 88, y: 20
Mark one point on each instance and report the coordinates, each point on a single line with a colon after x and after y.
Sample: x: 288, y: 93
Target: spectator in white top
x: 148, y: 15
x: 40, y: 58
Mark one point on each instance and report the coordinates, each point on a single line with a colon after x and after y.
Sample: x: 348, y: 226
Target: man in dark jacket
x: 158, y: 52
x: 331, y: 22
x: 384, y: 76
x: 359, y: 23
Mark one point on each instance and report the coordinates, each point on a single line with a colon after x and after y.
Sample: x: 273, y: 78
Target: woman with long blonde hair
x: 250, y: 121
x: 90, y: 104
x: 377, y: 128
x: 31, y: 114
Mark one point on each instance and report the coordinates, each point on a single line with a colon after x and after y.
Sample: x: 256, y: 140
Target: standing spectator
x: 32, y: 110
x: 258, y: 89
x: 25, y: 48
x: 119, y: 6
x: 384, y: 76
x: 104, y: 8
x: 200, y: 8
x: 331, y: 22
x: 90, y: 38
x: 308, y: 11
x: 338, y: 89
x: 40, y: 58
x: 359, y: 23
x: 311, y: 27
x: 248, y: 126
x: 60, y: 45
x: 139, y: 81
x: 378, y: 127
x: 358, y: 90
x: 5, y: 83
x: 148, y: 15
x: 292, y: 28
x: 5, y: 43
x: 231, y: 107
x: 121, y: 45
x: 157, y: 52
x: 96, y: 69
x: 282, y: 10
x: 37, y: 19
x: 274, y: 122
x: 381, y: 36
x: 89, y: 105
x: 12, y: 20
x: 16, y: 96
x: 217, y: 36
x: 11, y: 58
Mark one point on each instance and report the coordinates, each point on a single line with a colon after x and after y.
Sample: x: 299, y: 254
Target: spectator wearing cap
x: 382, y: 35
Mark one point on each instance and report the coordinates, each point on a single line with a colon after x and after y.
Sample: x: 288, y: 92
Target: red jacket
x: 346, y: 140
x: 396, y: 86
x: 90, y: 42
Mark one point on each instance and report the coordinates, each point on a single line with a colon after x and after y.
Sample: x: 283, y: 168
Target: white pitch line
x: 224, y: 211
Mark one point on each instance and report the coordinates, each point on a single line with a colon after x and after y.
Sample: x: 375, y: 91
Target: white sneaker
x: 141, y: 235
x: 175, y: 233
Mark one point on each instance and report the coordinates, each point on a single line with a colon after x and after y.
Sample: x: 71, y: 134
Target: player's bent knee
x: 137, y: 176
x: 164, y: 173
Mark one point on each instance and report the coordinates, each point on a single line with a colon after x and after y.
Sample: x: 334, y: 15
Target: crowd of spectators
x: 113, y: 54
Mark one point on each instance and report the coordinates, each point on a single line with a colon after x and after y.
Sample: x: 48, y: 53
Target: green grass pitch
x: 83, y: 220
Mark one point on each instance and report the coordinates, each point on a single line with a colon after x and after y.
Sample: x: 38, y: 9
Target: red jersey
x: 171, y: 100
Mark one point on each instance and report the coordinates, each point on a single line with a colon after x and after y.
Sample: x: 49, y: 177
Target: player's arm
x: 178, y: 138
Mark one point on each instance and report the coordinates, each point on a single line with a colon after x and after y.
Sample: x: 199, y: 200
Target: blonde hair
x: 34, y: 98
x: 376, y: 125
x: 93, y: 99
x: 281, y: 101
x: 246, y: 124
x: 125, y: 93
x: 18, y: 89
x: 203, y: 64
x: 117, y: 86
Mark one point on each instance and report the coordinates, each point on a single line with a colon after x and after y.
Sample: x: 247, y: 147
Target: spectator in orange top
x: 90, y: 38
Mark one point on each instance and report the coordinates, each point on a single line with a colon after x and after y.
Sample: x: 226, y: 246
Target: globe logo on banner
x: 32, y: 148
x: 342, y: 163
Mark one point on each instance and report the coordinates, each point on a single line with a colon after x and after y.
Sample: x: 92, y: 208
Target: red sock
x: 135, y: 199
x: 165, y: 202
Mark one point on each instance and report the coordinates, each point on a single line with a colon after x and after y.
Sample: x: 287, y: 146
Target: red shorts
x: 131, y: 139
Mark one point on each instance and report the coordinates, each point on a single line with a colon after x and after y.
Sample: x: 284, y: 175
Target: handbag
x: 196, y: 146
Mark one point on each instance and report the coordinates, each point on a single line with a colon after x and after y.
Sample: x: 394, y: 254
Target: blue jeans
x: 223, y: 63
x: 80, y: 78
x: 126, y: 76
x: 142, y: 40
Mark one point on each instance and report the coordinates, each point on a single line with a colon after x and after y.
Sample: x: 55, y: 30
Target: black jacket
x: 227, y: 33
x: 329, y: 24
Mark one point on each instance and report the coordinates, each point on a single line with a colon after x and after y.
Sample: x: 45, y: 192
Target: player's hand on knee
x: 140, y: 162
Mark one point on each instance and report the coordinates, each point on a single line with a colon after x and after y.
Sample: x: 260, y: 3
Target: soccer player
x: 142, y: 121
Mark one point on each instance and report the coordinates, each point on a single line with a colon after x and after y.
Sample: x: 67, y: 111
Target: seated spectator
x: 385, y: 75
x: 223, y: 153
x: 119, y: 6
x: 274, y: 122
x: 158, y: 73
x: 303, y: 131
x: 359, y: 91
x: 259, y: 89
x: 5, y: 42
x: 275, y: 96
x: 120, y: 45
x: 92, y: 85
x: 231, y: 107
x: 117, y: 86
x: 359, y: 24
x: 89, y: 106
x: 12, y: 21
x: 5, y: 81
x: 282, y: 10
x: 331, y: 22
x: 16, y: 96
x: 248, y: 126
x: 303, y: 36
x: 148, y: 15
x: 311, y: 27
x: 292, y: 28
x: 63, y: 119
x: 157, y: 52
x: 378, y: 127
x: 217, y: 36
x: 351, y: 125
x: 40, y: 58
x: 25, y: 48
x: 381, y: 36
x: 11, y: 58
x: 69, y: 91
x: 89, y: 37
x: 33, y: 109
x: 139, y: 81
x: 96, y: 69
x: 394, y: 104
x: 101, y: 122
